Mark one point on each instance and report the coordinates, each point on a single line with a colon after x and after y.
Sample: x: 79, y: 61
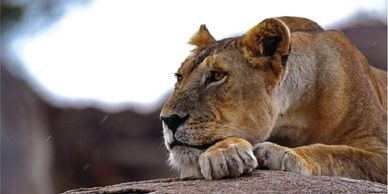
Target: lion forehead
x: 196, y: 58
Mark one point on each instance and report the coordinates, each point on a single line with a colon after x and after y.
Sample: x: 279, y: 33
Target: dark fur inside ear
x: 270, y: 44
x: 202, y: 38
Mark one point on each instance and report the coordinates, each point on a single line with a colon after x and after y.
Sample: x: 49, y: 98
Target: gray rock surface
x: 256, y: 182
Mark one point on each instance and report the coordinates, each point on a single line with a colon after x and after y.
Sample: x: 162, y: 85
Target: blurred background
x: 83, y: 81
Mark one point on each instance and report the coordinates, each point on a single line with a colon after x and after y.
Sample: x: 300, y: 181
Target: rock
x: 259, y: 181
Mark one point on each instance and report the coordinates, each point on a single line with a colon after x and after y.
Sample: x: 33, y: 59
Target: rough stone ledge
x: 256, y: 182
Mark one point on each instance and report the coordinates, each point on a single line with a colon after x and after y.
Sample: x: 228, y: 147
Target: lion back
x: 300, y: 24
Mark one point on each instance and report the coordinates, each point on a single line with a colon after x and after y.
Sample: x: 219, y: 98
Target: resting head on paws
x: 275, y: 97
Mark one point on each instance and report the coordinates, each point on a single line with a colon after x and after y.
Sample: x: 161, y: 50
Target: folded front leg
x: 230, y: 157
x: 319, y: 159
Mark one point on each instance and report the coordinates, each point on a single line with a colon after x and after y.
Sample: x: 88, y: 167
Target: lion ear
x: 270, y: 37
x: 202, y: 38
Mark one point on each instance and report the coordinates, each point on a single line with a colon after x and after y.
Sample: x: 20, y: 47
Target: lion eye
x: 179, y: 77
x: 216, y: 76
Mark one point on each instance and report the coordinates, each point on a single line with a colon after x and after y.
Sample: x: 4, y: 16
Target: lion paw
x: 230, y: 157
x: 276, y: 157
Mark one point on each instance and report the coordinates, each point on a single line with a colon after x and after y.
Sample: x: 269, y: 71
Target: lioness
x: 287, y: 95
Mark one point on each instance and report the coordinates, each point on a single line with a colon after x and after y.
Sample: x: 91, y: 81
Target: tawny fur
x: 305, y: 98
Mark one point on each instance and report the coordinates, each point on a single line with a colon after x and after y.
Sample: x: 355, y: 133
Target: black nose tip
x: 174, y: 121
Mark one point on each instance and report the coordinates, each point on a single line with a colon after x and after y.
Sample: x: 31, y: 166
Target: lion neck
x: 296, y: 89
x: 294, y: 93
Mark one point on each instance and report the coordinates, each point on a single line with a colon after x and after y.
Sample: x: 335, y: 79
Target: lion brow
x: 214, y: 48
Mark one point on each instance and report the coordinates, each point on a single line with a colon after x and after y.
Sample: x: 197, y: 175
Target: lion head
x: 226, y: 88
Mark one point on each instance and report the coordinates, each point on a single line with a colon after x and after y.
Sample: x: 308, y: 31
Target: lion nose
x: 174, y: 121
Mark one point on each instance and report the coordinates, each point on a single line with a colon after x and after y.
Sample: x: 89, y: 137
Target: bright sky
x: 124, y: 51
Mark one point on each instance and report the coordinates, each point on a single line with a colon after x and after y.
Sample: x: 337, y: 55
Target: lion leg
x: 230, y: 157
x: 327, y: 160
